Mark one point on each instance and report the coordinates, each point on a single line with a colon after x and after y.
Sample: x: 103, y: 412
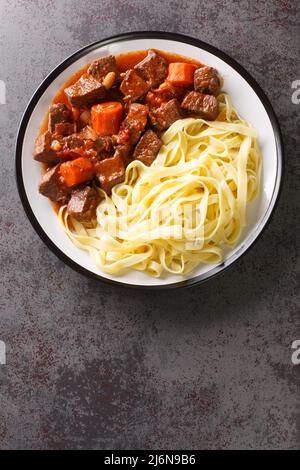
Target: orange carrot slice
x: 106, y: 117
x: 77, y: 171
x: 181, y: 74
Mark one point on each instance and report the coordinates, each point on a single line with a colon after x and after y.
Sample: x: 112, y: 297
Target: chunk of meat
x: 110, y: 172
x: 83, y: 203
x: 73, y: 141
x: 72, y: 146
x: 85, y: 91
x: 99, y: 68
x: 133, y: 86
x: 147, y: 148
x: 206, y: 80
x: 135, y: 121
x: 153, y: 68
x: 206, y: 106
x: 85, y: 143
x: 162, y: 117
x: 166, y: 92
x: 52, y: 186
x: 100, y: 143
x: 123, y: 150
x: 60, y: 120
x: 50, y: 148
x: 43, y: 151
x: 104, y: 144
x: 65, y: 128
x: 123, y: 136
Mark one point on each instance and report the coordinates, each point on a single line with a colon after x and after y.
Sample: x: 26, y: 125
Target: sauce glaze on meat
x: 112, y: 112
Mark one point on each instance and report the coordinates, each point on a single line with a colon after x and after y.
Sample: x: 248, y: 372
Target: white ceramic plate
x: 247, y: 97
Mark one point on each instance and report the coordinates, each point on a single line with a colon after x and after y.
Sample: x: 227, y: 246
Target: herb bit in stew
x: 112, y: 115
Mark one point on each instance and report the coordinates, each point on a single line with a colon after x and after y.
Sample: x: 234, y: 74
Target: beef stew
x: 113, y: 112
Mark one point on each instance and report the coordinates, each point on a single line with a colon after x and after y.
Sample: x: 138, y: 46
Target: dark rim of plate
x: 164, y: 36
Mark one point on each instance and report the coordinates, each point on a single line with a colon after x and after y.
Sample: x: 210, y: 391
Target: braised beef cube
x: 75, y: 146
x: 101, y: 67
x: 43, y: 151
x: 104, y: 144
x: 162, y: 117
x: 166, y: 92
x: 135, y: 121
x: 70, y: 147
x: 58, y: 113
x: 133, y: 86
x: 123, y: 150
x: 206, y: 80
x: 85, y: 91
x: 147, y: 148
x: 123, y: 136
x: 52, y: 187
x: 152, y: 69
x: 110, y: 172
x: 73, y: 141
x: 206, y: 106
x: 65, y: 128
x: 85, y: 143
x: 93, y: 140
x: 83, y: 203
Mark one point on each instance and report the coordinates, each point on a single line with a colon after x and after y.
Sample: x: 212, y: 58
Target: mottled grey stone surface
x: 94, y: 366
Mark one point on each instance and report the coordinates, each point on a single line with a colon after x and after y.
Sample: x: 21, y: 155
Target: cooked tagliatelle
x: 185, y: 207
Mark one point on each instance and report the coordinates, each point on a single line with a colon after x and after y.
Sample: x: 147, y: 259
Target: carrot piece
x: 77, y: 171
x: 106, y: 117
x: 181, y: 73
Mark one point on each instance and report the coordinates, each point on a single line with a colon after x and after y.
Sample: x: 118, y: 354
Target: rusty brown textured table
x: 94, y: 366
